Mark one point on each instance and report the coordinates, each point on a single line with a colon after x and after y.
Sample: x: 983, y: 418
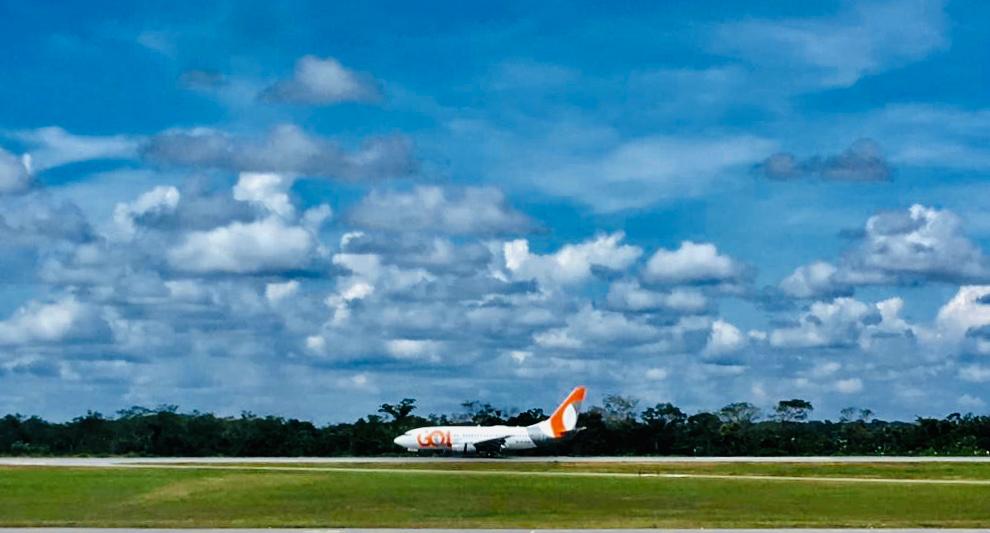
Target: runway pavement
x: 120, y: 461
x: 127, y: 530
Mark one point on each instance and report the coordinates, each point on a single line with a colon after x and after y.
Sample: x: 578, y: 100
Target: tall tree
x: 793, y: 410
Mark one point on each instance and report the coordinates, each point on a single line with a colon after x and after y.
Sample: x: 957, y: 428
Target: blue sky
x: 308, y: 209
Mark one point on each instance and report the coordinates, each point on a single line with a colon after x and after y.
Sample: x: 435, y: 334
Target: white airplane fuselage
x: 461, y: 439
x: 494, y: 439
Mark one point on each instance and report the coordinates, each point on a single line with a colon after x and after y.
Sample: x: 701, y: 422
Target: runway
x: 124, y: 461
x: 348, y: 530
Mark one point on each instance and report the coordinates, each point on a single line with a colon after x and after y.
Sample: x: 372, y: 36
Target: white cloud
x: 656, y: 374
x: 645, y: 171
x: 263, y: 246
x: 975, y: 373
x: 15, y: 175
x: 316, y: 344
x: 898, y: 247
x: 285, y: 149
x: 267, y: 189
x: 825, y: 369
x: 52, y: 147
x: 368, y: 268
x: 968, y: 309
x: 925, y: 135
x: 723, y: 339
x: 275, y: 292
x: 520, y: 356
x: 590, y: 327
x: 51, y: 322
x: 472, y: 210
x: 321, y: 81
x: 812, y: 280
x: 864, y: 39
x: 353, y: 289
x: 557, y: 338
x: 971, y: 402
x: 156, y: 202
x: 358, y: 382
x: 843, y: 322
x: 314, y: 217
x: 629, y: 295
x: 414, y: 349
x: 849, y: 386
x: 691, y: 263
x: 922, y: 241
x: 572, y: 263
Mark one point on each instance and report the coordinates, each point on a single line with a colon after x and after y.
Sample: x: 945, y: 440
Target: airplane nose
x: 396, y: 441
x: 401, y: 440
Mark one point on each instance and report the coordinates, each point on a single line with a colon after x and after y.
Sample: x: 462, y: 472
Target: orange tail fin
x: 564, y: 419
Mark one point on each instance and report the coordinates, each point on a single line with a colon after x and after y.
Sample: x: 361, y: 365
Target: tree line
x: 617, y: 427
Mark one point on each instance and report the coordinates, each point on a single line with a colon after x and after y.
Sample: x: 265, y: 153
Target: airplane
x: 493, y: 439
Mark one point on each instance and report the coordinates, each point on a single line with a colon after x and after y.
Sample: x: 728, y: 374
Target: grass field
x: 404, y: 497
x: 920, y: 470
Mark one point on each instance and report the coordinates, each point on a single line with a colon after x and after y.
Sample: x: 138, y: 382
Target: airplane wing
x: 493, y: 445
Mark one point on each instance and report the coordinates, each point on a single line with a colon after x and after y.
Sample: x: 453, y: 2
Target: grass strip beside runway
x: 927, y: 471
x: 139, y: 497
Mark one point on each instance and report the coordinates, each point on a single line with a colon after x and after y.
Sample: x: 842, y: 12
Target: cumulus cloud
x: 596, y: 328
x: 267, y: 189
x: 815, y: 280
x: 573, y: 263
x: 15, y: 176
x: 862, y: 161
x: 724, y: 339
x: 692, y: 263
x: 964, y: 320
x: 286, y: 149
x: 216, y: 276
x: 472, y: 210
x: 425, y: 250
x: 843, y: 323
x: 898, y: 247
x: 268, y: 245
x: 837, y: 51
x: 656, y: 374
x: 275, y: 292
x: 322, y: 81
x: 630, y: 296
x: 159, y: 201
x: 414, y: 349
x: 849, y: 386
x: 65, y: 319
x: 35, y: 220
x: 922, y: 241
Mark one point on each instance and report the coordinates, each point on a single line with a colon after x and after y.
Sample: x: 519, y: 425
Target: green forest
x: 618, y: 427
